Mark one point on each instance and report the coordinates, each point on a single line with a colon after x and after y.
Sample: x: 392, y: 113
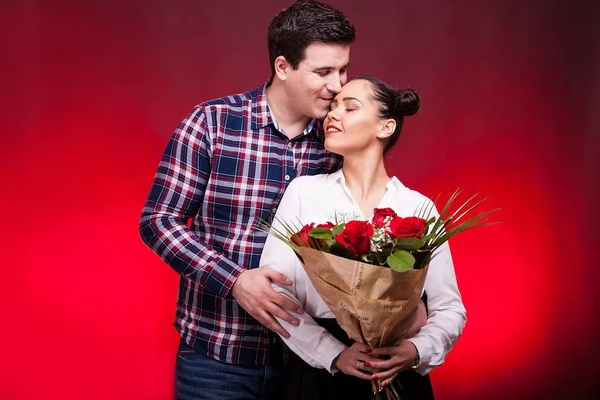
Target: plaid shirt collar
x: 262, y: 115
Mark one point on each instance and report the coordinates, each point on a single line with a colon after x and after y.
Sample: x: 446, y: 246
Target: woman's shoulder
x: 412, y: 196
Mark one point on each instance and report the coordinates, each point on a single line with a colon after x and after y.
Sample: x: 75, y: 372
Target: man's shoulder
x: 234, y: 101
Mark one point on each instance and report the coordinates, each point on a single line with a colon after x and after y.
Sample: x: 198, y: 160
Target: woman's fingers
x: 387, y: 374
x: 389, y: 380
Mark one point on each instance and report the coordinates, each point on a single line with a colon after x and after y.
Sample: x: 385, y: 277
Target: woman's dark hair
x: 393, y: 104
x: 294, y: 28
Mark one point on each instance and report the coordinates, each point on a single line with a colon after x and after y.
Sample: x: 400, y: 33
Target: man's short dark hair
x: 294, y: 28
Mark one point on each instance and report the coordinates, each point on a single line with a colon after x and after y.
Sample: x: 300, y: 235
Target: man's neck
x: 291, y: 123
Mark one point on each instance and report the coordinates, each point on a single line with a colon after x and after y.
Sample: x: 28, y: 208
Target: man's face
x: 318, y: 78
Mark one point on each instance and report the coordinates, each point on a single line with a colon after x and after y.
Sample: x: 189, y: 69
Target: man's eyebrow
x: 329, y: 67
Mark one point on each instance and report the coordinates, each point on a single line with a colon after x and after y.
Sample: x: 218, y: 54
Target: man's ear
x: 282, y: 67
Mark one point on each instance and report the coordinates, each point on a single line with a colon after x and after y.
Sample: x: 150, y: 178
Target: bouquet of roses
x: 371, y: 274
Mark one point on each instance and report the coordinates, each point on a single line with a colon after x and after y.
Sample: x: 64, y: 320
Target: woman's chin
x: 332, y: 148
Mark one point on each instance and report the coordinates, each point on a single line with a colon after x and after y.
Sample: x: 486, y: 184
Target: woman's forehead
x: 357, y: 88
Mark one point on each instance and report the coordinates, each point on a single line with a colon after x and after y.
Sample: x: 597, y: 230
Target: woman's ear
x: 387, y: 129
x: 281, y: 67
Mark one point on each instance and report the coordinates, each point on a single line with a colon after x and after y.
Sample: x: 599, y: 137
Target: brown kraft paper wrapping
x: 374, y: 305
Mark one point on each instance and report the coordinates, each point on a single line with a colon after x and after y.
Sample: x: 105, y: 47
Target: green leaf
x: 320, y: 233
x: 340, y: 250
x: 338, y: 229
x: 401, y: 261
x: 428, y: 237
x: 409, y: 243
x: 440, y: 220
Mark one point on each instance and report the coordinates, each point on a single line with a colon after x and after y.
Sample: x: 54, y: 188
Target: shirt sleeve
x: 175, y: 196
x: 311, y: 342
x: 447, y: 315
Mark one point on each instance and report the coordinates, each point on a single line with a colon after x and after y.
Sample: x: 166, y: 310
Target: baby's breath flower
x: 379, y: 239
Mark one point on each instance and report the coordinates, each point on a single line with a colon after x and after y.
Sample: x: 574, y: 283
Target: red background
x: 91, y: 92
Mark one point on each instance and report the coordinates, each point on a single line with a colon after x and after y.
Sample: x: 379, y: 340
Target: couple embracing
x: 303, y: 144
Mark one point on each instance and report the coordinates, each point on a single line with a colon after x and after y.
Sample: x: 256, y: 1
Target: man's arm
x: 176, y: 196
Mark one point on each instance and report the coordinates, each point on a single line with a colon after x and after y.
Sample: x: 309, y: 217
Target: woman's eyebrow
x: 352, y: 98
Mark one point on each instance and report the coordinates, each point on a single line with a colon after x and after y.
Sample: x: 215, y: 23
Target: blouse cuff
x: 328, y: 351
x: 423, y: 346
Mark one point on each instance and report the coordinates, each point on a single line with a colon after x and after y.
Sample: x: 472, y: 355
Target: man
x: 225, y: 167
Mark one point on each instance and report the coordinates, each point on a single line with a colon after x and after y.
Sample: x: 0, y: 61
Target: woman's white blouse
x: 323, y: 198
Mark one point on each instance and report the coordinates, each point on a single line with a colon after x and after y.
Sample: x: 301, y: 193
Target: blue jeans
x: 199, y: 377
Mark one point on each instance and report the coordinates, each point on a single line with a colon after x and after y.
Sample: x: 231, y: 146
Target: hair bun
x: 407, y: 102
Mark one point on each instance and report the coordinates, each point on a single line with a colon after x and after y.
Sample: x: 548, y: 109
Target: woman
x: 364, y: 123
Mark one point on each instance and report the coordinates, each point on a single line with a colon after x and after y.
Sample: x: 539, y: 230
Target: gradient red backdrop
x: 92, y: 91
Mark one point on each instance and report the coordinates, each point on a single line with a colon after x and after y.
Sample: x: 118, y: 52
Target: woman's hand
x: 354, y: 360
x: 396, y: 359
x: 386, y: 362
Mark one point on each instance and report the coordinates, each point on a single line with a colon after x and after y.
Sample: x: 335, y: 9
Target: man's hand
x: 254, y: 293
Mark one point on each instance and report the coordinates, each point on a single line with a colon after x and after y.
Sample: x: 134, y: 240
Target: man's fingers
x: 285, y: 302
x: 266, y: 319
x: 277, y: 277
x: 269, y: 295
x: 280, y: 313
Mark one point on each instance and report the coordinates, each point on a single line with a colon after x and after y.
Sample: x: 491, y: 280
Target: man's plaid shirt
x: 226, y: 166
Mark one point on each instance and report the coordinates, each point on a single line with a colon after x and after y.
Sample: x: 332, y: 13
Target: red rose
x: 301, y: 238
x: 406, y: 227
x: 328, y: 225
x: 323, y: 242
x: 356, y: 237
x: 380, y: 214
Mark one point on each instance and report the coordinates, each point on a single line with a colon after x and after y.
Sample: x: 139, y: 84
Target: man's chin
x: 320, y: 114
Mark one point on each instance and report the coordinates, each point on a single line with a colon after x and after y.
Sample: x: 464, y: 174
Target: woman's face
x: 353, y: 124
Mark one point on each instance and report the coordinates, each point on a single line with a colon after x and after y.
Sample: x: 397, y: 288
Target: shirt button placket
x: 289, y: 163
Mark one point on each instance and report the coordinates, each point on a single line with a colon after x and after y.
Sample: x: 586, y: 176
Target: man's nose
x: 335, y: 85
